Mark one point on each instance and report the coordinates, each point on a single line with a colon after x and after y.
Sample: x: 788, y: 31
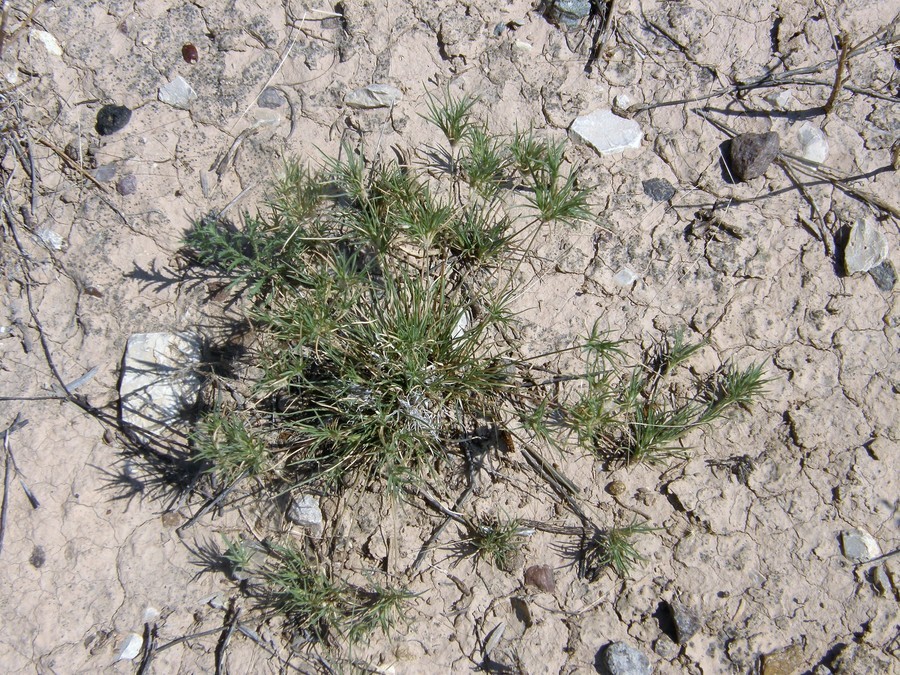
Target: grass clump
x: 224, y: 446
x: 614, y: 548
x: 631, y: 415
x: 496, y: 540
x: 325, y: 608
x: 381, y: 297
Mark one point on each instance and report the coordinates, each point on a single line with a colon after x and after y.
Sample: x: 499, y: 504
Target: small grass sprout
x: 614, y: 548
x: 237, y: 557
x: 452, y: 115
x: 496, y: 540
x: 735, y: 387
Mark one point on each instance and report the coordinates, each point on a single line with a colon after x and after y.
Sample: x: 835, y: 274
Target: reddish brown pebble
x: 189, y: 53
x: 540, y: 576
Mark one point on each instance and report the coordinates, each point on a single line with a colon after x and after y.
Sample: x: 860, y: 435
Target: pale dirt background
x: 761, y: 563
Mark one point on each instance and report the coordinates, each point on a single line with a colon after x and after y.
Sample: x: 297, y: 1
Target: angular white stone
x: 374, y: 96
x: 49, y: 41
x: 866, y: 248
x: 160, y: 382
x: 606, y: 133
x: 813, y: 145
x: 131, y: 647
x: 177, y: 93
x: 305, y: 512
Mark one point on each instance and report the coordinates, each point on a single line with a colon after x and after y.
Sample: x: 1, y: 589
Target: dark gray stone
x: 884, y: 276
x: 271, y: 98
x: 620, y: 659
x: 569, y: 12
x: 127, y: 185
x: 112, y: 118
x: 751, y: 154
x: 658, y: 189
x: 687, y: 620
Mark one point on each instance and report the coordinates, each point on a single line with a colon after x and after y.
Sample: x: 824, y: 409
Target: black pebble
x: 38, y: 557
x: 112, y: 118
x: 658, y: 189
x: 751, y: 154
x: 884, y: 276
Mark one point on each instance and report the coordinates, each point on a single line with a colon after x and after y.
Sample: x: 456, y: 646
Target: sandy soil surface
x: 756, y: 557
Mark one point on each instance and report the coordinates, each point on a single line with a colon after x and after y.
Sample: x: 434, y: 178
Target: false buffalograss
x: 381, y: 296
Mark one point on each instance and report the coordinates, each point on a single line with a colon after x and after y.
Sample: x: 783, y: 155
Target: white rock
x: 177, y: 93
x: 522, y: 46
x: 781, y: 100
x: 151, y: 614
x: 859, y: 546
x: 866, y: 248
x: 462, y: 325
x: 813, y: 145
x: 305, y: 512
x: 622, y: 101
x: 131, y: 647
x: 49, y: 41
x: 625, y: 277
x: 606, y: 133
x: 160, y: 382
x: 374, y: 96
x: 52, y: 239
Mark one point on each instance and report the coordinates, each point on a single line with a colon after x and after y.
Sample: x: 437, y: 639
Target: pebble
x: 616, y: 488
x: 374, y: 96
x: 606, y: 132
x: 620, y: 659
x: 104, y: 173
x: 112, y: 118
x: 541, y: 577
x: 50, y: 42
x: 625, y: 277
x: 686, y: 619
x: 51, y: 239
x: 131, y: 647
x: 190, y: 54
x: 271, y: 98
x: 751, y: 154
x: 658, y: 189
x: 813, y: 145
x: 665, y: 648
x: 569, y: 12
x: 782, y: 100
x: 884, y: 276
x: 305, y: 512
x: 178, y: 93
x: 859, y: 546
x: 127, y: 185
x: 159, y: 383
x: 785, y: 661
x: 866, y: 247
x: 82, y: 152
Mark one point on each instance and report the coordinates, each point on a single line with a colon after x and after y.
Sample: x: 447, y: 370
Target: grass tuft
x: 326, y: 608
x: 614, y: 548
